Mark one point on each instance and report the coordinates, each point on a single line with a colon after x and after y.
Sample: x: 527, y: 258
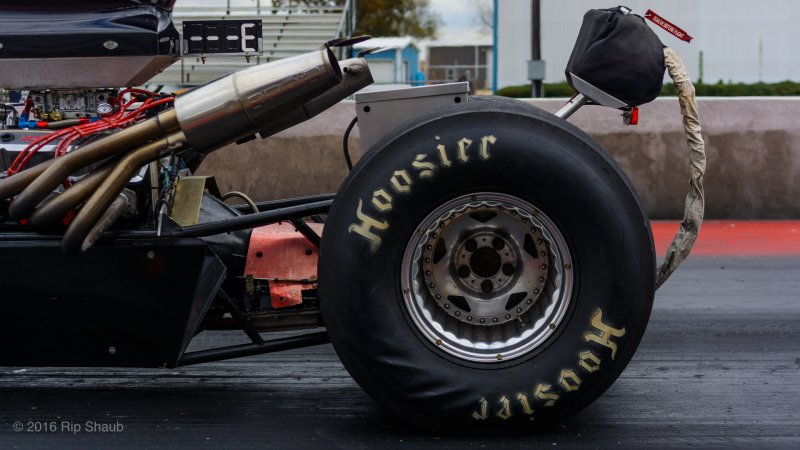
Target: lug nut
x: 487, y: 286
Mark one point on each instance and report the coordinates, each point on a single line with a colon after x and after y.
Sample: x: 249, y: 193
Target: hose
x: 345, y: 146
x: 694, y: 207
x: 242, y: 196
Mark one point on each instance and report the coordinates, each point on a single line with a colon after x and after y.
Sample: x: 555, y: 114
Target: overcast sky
x: 459, y: 16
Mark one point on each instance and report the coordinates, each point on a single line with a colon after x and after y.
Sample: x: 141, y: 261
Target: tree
x: 384, y: 17
x: 484, y: 15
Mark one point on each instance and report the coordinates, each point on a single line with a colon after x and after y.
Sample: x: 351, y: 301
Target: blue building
x: 398, y: 63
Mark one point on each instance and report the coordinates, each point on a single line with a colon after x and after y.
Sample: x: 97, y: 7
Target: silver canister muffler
x: 238, y: 105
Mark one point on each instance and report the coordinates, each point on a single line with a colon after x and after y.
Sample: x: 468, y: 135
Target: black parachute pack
x: 619, y: 54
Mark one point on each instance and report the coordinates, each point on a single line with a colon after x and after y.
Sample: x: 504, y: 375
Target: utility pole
x: 536, y: 65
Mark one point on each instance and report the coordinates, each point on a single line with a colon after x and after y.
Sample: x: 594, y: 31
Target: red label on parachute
x: 668, y: 26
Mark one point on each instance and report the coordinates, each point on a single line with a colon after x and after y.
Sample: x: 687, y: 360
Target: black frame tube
x: 239, y: 351
x: 202, y: 230
x: 286, y: 202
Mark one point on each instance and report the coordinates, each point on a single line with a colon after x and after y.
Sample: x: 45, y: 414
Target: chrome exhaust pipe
x: 355, y: 76
x: 244, y: 102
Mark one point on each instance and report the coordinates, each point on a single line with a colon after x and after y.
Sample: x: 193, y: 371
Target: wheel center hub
x: 485, y: 262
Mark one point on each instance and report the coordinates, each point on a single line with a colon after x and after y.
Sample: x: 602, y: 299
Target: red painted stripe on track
x: 735, y: 238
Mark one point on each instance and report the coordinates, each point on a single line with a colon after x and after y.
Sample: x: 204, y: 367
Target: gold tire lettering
x: 443, y: 155
x: 463, y: 145
x: 401, y: 181
x: 505, y: 411
x: 526, y: 406
x: 382, y: 200
x: 482, y: 414
x: 589, y: 361
x: 364, y: 229
x: 605, y: 334
x: 569, y: 380
x: 485, y: 142
x: 426, y: 168
x: 542, y: 393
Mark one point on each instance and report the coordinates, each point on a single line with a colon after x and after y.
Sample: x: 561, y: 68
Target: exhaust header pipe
x: 263, y: 99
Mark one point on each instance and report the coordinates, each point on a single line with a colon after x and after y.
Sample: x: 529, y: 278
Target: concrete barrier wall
x: 753, y: 147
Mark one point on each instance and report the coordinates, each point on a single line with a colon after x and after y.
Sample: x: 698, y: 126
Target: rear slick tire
x: 486, y: 269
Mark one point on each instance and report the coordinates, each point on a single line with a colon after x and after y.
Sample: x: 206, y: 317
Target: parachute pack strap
x: 695, y: 201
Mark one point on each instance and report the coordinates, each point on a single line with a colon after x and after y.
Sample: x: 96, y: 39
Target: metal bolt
x: 458, y: 313
x: 438, y: 296
x: 432, y: 285
x: 469, y: 318
x: 508, y: 269
x: 483, y: 320
x: 539, y: 241
x: 428, y: 272
x: 427, y: 260
x: 463, y: 271
x: 535, y: 291
x: 487, y: 286
x: 494, y: 320
x: 499, y: 357
x: 150, y: 254
x: 568, y: 266
x: 552, y: 326
x: 446, y: 306
x: 438, y: 342
x: 544, y: 266
x: 529, y: 301
x: 112, y: 350
x: 519, y: 310
x: 508, y: 316
x: 541, y: 279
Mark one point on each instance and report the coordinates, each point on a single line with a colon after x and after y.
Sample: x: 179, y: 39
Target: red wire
x: 119, y: 119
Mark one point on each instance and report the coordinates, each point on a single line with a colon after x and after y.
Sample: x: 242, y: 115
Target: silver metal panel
x: 595, y: 94
x: 536, y: 70
x: 80, y: 73
x: 381, y: 112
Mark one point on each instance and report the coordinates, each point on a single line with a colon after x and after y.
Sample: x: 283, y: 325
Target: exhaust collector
x: 244, y: 102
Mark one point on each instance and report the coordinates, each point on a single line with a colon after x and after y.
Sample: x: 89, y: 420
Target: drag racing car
x: 486, y: 265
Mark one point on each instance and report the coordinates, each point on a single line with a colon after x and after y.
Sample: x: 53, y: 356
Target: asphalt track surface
x: 718, y: 367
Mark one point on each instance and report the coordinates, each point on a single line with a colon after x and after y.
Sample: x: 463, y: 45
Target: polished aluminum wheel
x: 487, y: 277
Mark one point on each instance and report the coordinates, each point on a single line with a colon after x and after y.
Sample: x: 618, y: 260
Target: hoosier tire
x: 488, y: 268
